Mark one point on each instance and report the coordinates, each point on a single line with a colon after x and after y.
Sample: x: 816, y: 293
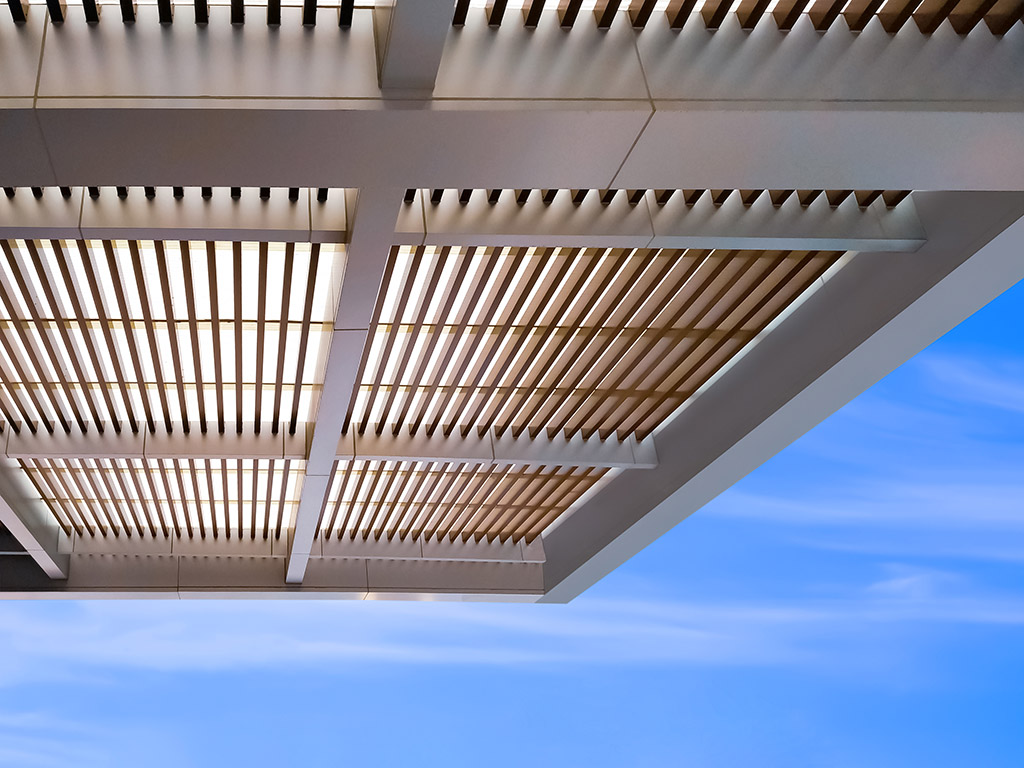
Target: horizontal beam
x: 323, y: 546
x: 167, y: 217
x: 512, y: 108
x: 160, y: 444
x: 410, y: 40
x: 620, y: 224
x: 177, y: 444
x: 489, y: 449
x: 191, y: 576
x: 590, y: 224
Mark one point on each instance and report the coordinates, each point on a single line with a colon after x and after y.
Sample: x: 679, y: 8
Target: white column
x: 373, y: 231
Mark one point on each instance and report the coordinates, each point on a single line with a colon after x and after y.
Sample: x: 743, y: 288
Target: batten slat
x: 750, y: 12
x: 786, y: 12
x: 147, y: 319
x: 496, y: 12
x: 345, y: 13
x: 604, y: 12
x: 568, y: 11
x: 282, y: 335
x: 824, y: 12
x: 1003, y: 15
x: 679, y: 11
x: 931, y: 13
x: 969, y: 13
x: 714, y: 12
x: 261, y: 332
x: 896, y: 14
x: 307, y: 313
x: 531, y: 13
x: 859, y: 12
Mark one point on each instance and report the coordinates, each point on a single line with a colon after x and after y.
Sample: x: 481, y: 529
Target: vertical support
x: 410, y: 40
x: 372, y: 234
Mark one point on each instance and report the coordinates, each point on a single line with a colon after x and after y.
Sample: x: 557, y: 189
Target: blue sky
x: 858, y: 600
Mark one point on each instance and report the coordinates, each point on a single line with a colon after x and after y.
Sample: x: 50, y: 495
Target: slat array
x: 449, y: 500
x: 964, y: 15
x: 129, y: 334
x: 718, y: 197
x: 269, y: 11
x: 579, y: 341
x: 193, y: 498
x: 151, y: 193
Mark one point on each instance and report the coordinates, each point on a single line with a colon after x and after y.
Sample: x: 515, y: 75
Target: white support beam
x: 165, y: 217
x: 410, y: 38
x: 31, y: 524
x: 248, y: 444
x: 372, y: 228
x: 830, y: 349
x: 323, y: 547
x: 592, y: 224
x: 130, y: 575
x: 489, y: 449
x: 513, y: 108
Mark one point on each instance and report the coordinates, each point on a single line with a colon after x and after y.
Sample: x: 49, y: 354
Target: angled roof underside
x: 428, y: 297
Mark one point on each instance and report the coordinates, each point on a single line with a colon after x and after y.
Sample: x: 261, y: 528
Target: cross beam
x: 511, y: 108
x: 487, y: 449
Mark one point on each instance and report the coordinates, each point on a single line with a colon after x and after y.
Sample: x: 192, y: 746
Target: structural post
x: 373, y: 231
x: 410, y: 40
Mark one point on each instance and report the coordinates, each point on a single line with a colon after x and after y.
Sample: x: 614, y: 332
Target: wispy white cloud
x: 929, y: 475
x: 993, y: 381
x: 40, y: 740
x: 99, y: 637
x: 880, y: 501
